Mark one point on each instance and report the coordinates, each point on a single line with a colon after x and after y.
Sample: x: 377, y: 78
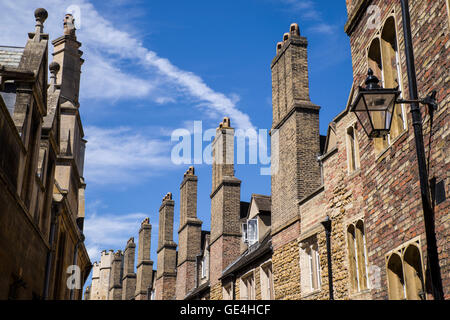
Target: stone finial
x: 41, y: 15
x: 54, y: 69
x: 191, y: 171
x: 145, y: 221
x: 286, y: 36
x: 294, y: 29
x: 69, y: 25
x: 131, y: 240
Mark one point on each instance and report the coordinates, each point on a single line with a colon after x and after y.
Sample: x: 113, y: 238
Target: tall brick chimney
x: 296, y: 120
x: 225, y: 206
x: 129, y: 276
x: 115, y: 282
x: 167, y: 254
x: 144, y: 264
x: 189, y: 235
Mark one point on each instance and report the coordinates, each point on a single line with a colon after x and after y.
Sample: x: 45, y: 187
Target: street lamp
x: 377, y: 104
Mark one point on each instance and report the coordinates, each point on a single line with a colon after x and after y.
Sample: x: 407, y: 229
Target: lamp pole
x: 428, y: 211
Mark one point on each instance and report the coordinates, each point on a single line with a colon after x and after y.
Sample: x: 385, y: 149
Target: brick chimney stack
x: 225, y: 207
x: 144, y: 264
x: 129, y: 276
x: 296, y: 122
x: 189, y: 235
x: 167, y: 254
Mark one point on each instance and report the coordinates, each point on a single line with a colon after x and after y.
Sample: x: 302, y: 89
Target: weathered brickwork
x: 189, y: 235
x: 225, y: 208
x: 393, y: 212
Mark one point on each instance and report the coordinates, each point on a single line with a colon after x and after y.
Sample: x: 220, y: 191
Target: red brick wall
x: 391, y: 194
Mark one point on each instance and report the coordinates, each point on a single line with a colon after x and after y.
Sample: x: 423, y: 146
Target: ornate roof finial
x: 41, y: 15
x: 54, y: 69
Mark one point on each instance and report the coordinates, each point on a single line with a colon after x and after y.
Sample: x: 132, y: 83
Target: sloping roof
x: 251, y: 254
x: 263, y: 202
x: 10, y: 56
x: 196, y: 291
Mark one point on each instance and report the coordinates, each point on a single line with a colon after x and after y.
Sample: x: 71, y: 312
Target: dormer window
x: 244, y: 232
x: 252, y: 230
x: 203, y: 265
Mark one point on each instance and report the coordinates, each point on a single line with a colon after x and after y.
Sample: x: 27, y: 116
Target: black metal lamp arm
x: 429, y: 100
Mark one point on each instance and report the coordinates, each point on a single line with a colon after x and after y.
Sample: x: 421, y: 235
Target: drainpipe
x: 233, y: 278
x: 327, y: 225
x: 48, y: 265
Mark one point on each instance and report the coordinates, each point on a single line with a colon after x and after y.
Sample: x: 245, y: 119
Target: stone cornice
x: 226, y: 181
x: 192, y: 222
x: 298, y: 106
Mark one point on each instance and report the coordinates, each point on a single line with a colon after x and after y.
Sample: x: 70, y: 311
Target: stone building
x: 41, y: 168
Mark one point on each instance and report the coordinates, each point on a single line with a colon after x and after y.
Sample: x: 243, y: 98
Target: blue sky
x: 156, y: 66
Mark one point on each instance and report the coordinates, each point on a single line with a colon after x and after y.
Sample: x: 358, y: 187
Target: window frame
x: 268, y: 279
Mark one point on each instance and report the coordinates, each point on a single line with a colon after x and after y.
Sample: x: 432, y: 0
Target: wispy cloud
x: 322, y: 28
x: 111, y: 231
x: 108, y: 49
x: 123, y: 155
x: 307, y: 10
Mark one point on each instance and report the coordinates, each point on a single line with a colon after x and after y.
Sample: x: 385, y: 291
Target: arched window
x: 404, y: 273
x: 357, y: 256
x: 391, y: 71
x: 383, y: 59
x: 352, y: 150
x: 395, y: 278
x: 361, y: 255
x: 376, y: 64
x: 352, y: 257
x: 413, y: 273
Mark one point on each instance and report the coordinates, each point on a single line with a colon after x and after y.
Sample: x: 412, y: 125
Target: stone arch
x: 353, y: 272
x: 361, y: 254
x: 395, y: 277
x: 375, y: 63
x: 413, y: 273
x: 391, y: 70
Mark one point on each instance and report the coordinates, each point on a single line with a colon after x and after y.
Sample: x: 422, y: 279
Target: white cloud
x: 308, y: 11
x: 123, y: 155
x: 102, y: 42
x: 111, y: 231
x: 322, y: 28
